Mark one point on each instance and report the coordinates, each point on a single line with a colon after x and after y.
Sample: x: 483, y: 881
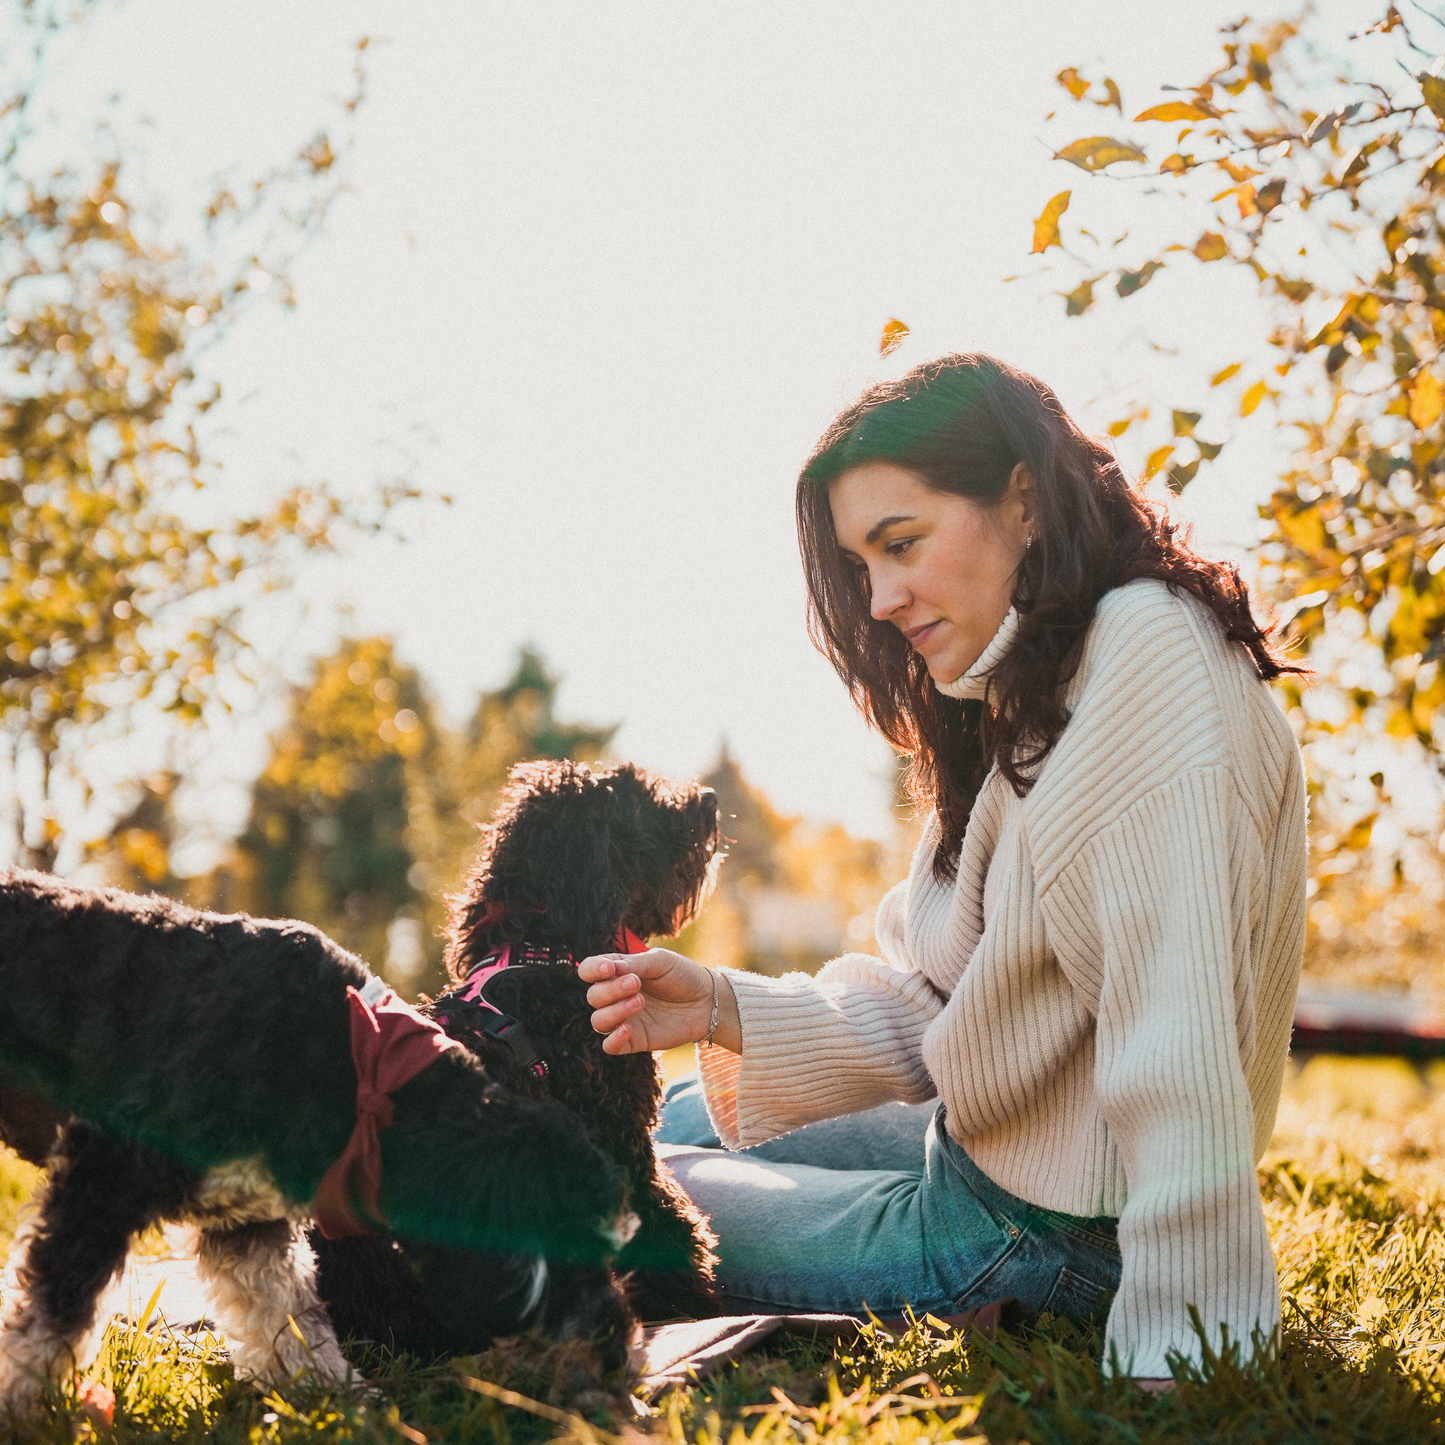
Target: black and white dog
x: 205, y: 1068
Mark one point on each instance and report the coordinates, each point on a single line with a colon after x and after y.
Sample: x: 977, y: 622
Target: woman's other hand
x: 657, y: 1000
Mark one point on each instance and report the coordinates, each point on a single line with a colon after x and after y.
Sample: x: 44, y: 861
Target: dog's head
x: 573, y: 854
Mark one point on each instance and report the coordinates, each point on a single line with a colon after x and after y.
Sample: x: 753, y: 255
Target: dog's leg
x: 261, y: 1283
x: 100, y: 1192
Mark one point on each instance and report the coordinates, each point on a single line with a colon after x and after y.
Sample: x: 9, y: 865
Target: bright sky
x: 608, y: 270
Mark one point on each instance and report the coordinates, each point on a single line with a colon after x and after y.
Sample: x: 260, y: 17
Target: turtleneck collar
x: 974, y: 682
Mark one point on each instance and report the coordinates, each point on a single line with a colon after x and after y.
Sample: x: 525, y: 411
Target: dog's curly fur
x: 572, y: 855
x: 200, y: 1068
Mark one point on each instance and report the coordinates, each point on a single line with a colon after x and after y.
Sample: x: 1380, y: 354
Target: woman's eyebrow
x: 879, y: 528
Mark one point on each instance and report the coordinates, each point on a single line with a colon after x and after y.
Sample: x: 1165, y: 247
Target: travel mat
x: 671, y: 1354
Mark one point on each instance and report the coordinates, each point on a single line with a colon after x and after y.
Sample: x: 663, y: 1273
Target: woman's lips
x: 919, y: 635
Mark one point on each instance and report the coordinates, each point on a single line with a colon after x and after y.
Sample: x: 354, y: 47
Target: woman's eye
x: 900, y: 547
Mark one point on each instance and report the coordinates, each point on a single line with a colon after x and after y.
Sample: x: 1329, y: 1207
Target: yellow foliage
x: 1427, y: 399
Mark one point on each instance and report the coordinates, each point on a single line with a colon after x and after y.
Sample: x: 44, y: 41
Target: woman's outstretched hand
x: 656, y: 1000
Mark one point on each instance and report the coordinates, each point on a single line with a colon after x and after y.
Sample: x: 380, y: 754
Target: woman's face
x: 940, y: 567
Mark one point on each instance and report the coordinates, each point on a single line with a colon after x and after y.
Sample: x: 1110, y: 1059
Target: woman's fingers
x: 649, y: 1000
x: 604, y: 1020
x: 613, y: 990
x: 619, y: 1041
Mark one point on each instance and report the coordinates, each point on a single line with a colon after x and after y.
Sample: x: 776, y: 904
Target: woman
x: 1094, y: 958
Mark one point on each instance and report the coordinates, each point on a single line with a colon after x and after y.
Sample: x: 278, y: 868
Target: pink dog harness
x: 502, y: 1026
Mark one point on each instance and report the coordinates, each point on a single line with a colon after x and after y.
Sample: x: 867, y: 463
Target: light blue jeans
x: 877, y: 1211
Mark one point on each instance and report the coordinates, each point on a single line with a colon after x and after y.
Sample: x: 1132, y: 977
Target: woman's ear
x: 1020, y: 499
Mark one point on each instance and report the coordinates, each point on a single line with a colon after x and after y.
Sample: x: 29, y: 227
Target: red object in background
x: 98, y: 1401
x: 1361, y: 1024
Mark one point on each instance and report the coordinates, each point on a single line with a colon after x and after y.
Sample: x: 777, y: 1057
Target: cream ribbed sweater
x: 1112, y: 1040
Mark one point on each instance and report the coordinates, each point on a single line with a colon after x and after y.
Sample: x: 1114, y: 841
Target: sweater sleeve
x: 1147, y: 923
x: 813, y: 1048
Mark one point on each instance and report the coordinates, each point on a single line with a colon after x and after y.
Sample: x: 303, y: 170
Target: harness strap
x: 504, y: 1028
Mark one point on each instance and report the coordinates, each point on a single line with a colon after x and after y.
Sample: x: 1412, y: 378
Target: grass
x: 1354, y: 1188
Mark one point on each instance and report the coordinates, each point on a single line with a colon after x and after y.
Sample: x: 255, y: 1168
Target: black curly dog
x: 201, y: 1069
x: 572, y: 858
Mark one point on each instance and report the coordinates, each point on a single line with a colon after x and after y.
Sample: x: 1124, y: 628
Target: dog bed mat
x: 671, y: 1354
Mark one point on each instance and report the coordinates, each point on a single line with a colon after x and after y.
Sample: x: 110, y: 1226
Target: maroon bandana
x: 391, y: 1043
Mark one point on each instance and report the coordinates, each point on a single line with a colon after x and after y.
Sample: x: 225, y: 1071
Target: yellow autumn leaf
x: 1156, y: 459
x: 1432, y: 87
x: 893, y: 334
x: 1072, y: 82
x: 1211, y: 246
x: 1252, y: 398
x: 1427, y: 400
x: 1046, y: 228
x: 1305, y: 528
x: 1220, y: 377
x: 1175, y: 110
x: 1094, y: 152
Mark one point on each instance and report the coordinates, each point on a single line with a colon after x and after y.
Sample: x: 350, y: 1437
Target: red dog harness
x: 391, y: 1043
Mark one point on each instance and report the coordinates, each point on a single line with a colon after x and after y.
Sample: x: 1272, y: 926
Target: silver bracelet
x: 712, y: 1022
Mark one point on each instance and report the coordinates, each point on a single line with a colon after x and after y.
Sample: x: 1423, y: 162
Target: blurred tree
x: 512, y: 724
x: 327, y: 837
x: 113, y: 590
x: 790, y: 895
x: 137, y: 852
x: 755, y: 832
x: 1314, y: 162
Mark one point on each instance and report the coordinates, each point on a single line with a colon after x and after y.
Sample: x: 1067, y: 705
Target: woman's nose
x: 887, y: 596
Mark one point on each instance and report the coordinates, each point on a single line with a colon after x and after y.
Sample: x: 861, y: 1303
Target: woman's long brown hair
x: 962, y: 423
